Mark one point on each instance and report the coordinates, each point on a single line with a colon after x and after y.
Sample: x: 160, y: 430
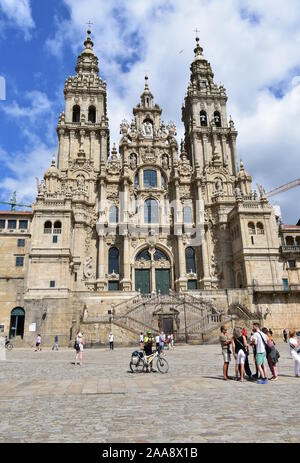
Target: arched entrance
x: 152, y: 271
x: 17, y: 320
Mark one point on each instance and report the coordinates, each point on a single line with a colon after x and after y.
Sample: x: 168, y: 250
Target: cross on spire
x: 197, y: 33
x: 89, y: 23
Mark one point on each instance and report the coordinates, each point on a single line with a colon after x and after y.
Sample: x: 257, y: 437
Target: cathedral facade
x: 152, y: 234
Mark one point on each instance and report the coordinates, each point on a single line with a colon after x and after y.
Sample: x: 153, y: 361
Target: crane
x: 13, y: 202
x: 285, y: 187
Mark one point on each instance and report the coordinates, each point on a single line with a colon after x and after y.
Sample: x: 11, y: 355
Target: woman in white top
x: 294, y: 344
x: 79, y: 343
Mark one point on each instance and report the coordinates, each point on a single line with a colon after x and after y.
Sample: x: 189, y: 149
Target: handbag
x: 268, y: 348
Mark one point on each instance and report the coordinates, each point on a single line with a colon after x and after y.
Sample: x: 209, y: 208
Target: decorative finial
x: 198, y: 50
x: 89, y: 24
x: 53, y: 160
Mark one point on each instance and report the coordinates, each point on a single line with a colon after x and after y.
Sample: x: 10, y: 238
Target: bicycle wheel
x: 137, y: 368
x: 162, y: 365
x: 9, y: 346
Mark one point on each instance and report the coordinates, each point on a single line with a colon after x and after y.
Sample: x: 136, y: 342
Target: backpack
x: 76, y: 345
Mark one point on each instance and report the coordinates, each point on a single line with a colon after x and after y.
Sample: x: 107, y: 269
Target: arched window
x: 159, y: 255
x: 113, y: 214
x: 260, y: 228
x: 143, y: 255
x: 251, y: 228
x: 57, y: 227
x: 217, y: 118
x: 113, y: 261
x: 48, y: 227
x: 187, y: 214
x: 190, y: 261
x: 151, y: 211
x: 136, y: 180
x: 92, y: 114
x: 150, y: 178
x: 76, y: 113
x: 203, y: 118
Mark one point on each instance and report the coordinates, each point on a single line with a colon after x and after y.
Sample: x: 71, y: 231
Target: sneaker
x: 262, y: 381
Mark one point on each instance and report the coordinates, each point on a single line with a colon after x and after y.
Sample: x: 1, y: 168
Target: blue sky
x: 253, y: 47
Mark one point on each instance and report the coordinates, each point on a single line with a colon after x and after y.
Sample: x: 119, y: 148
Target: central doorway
x: 162, y: 279
x: 152, y: 271
x: 142, y: 280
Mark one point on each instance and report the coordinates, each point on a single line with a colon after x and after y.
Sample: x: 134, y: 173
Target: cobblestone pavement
x: 46, y: 398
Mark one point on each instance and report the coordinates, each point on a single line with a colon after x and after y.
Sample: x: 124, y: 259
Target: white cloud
x: 18, y: 12
x: 22, y: 168
x: 39, y: 103
x: 252, y: 46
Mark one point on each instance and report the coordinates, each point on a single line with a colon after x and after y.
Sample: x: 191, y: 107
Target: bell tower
x: 83, y: 128
x: 208, y: 137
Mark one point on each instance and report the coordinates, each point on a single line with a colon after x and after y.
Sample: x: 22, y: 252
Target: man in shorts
x: 225, y: 342
x: 259, y: 339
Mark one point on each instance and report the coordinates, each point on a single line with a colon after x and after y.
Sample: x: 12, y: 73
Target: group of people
x: 264, y: 351
x: 161, y: 341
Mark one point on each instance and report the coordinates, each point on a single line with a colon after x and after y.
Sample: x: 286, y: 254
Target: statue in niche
x: 42, y: 187
x: 165, y: 161
x: 147, y: 129
x: 133, y: 161
x: 237, y: 192
x: 219, y: 186
x: 81, y: 184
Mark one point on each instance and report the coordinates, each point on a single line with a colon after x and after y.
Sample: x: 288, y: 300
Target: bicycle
x: 145, y: 362
x: 8, y: 345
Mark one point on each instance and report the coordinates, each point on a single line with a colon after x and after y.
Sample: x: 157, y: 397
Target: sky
x: 253, y: 48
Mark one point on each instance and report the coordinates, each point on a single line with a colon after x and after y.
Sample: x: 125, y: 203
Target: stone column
x: 71, y: 144
x: 234, y: 154
x: 101, y: 281
x: 205, y: 158
x: 225, y: 157
x: 126, y: 282
x: 61, y: 162
x: 92, y: 142
x: 181, y: 282
x: 103, y: 147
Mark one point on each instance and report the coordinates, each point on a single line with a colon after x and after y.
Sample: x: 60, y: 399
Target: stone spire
x: 146, y: 96
x: 87, y: 62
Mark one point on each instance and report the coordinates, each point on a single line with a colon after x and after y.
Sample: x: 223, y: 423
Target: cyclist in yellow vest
x: 148, y: 343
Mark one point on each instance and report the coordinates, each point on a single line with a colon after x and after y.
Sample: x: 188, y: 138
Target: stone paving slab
x: 45, y: 398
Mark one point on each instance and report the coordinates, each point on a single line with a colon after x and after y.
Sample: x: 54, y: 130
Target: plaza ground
x: 45, y: 398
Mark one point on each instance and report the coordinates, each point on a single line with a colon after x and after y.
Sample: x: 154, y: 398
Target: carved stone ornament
x: 88, y: 269
x: 148, y: 155
x: 184, y: 166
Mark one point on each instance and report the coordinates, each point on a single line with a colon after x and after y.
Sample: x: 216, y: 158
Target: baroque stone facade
x: 144, y: 225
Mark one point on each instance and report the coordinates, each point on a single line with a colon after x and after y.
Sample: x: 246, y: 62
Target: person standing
x: 141, y: 340
x: 38, y: 343
x: 294, y: 345
x: 79, y: 343
x: 225, y: 346
x: 244, y: 332
x: 284, y: 335
x: 239, y: 349
x: 260, y: 340
x: 111, y: 341
x: 162, y: 341
x: 272, y: 355
x: 55, y: 345
x: 157, y: 343
x: 172, y: 340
